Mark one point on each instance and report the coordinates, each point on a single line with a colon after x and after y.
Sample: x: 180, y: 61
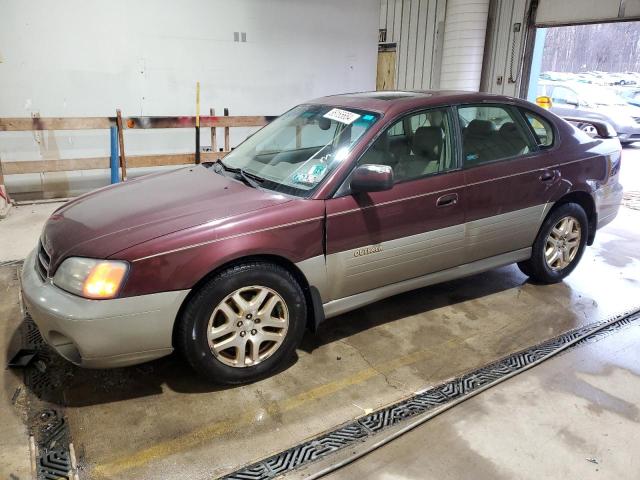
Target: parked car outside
x: 596, y: 103
x: 631, y: 96
x: 338, y: 203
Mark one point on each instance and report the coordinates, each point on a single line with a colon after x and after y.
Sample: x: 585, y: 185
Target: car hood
x: 111, y: 219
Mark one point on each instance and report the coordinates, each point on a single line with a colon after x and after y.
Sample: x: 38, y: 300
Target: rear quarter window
x: 542, y: 129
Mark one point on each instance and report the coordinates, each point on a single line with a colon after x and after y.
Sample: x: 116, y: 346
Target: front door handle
x: 447, y: 200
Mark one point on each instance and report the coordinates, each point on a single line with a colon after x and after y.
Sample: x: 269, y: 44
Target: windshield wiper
x: 218, y: 164
x: 248, y: 178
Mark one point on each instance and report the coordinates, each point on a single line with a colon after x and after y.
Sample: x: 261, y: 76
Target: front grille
x: 42, y: 262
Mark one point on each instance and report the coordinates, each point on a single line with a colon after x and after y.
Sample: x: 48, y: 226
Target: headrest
x: 479, y: 127
x: 509, y: 129
x: 436, y: 117
x: 382, y: 143
x: 427, y: 141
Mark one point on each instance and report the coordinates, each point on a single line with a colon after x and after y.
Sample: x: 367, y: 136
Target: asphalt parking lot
x: 160, y: 420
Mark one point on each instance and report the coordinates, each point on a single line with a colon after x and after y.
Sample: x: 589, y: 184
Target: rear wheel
x: 559, y: 245
x: 243, y: 323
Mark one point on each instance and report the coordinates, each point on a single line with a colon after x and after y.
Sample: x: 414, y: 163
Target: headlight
x: 89, y: 278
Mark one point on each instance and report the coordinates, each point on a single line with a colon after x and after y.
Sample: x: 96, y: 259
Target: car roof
x: 399, y: 100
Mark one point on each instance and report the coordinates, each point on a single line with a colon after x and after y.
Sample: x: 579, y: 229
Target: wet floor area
x: 160, y: 420
x: 574, y: 416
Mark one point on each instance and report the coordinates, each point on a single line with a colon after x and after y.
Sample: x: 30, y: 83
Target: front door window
x: 415, y: 146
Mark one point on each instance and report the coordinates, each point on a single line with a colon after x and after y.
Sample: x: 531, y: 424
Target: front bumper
x: 628, y: 134
x: 100, y: 333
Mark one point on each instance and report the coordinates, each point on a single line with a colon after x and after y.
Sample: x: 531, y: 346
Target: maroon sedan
x: 338, y: 203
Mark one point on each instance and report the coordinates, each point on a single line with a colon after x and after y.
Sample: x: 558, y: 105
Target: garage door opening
x: 591, y: 71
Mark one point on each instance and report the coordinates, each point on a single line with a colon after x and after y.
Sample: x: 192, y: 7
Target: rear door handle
x: 447, y: 200
x: 547, y: 176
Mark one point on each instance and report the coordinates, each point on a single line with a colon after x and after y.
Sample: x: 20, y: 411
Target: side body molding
x: 479, y: 245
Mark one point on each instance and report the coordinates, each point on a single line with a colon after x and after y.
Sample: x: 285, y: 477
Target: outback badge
x: 367, y: 250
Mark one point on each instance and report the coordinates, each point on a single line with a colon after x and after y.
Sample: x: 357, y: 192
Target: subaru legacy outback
x: 338, y: 203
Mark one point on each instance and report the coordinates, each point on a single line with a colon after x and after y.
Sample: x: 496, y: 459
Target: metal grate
x: 52, y: 436
x: 421, y: 403
x: 54, y: 464
x: 47, y: 425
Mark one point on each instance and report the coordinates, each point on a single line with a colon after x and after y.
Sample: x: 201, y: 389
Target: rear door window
x: 491, y: 133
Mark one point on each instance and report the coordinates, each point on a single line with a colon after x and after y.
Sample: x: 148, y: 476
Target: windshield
x: 295, y: 152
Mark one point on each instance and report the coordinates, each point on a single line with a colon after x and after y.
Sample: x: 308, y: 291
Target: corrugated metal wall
x: 416, y: 26
x: 504, y: 53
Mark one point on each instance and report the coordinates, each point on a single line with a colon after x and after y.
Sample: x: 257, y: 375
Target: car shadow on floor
x: 56, y: 381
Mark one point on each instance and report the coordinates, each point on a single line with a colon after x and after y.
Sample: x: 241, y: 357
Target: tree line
x: 607, y: 47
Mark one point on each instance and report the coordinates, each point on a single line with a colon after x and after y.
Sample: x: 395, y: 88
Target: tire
x: 538, y: 266
x: 261, y: 322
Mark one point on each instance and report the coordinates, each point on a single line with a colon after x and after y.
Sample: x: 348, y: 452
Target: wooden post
x: 123, y: 159
x: 197, y: 159
x: 3, y: 191
x: 214, y: 141
x: 226, y: 133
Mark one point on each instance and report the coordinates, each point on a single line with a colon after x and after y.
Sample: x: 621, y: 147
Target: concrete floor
x: 159, y: 420
x: 574, y: 416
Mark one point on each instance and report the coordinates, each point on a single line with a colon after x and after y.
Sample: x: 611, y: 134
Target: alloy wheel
x: 563, y: 243
x: 589, y: 129
x: 248, y: 326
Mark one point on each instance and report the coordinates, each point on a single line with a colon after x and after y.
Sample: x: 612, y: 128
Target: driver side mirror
x: 372, y: 178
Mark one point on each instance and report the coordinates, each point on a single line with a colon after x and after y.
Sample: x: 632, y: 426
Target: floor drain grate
x: 421, y: 403
x: 47, y: 424
x: 55, y: 465
x: 52, y: 437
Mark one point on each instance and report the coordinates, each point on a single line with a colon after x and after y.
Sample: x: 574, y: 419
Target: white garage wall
x: 87, y: 58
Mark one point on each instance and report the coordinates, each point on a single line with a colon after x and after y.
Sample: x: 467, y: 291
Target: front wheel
x: 559, y: 245
x: 243, y: 323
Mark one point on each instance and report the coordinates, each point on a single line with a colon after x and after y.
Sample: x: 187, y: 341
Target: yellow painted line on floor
x: 197, y: 437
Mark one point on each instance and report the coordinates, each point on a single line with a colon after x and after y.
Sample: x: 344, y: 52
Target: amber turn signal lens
x: 544, y: 101
x: 104, y: 280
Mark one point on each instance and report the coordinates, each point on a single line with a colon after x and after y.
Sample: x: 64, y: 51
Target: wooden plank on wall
x: 8, y: 124
x: 93, y: 123
x: 97, y: 163
x: 190, y: 122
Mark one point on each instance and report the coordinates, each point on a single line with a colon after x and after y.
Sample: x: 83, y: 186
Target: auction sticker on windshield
x: 342, y: 116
